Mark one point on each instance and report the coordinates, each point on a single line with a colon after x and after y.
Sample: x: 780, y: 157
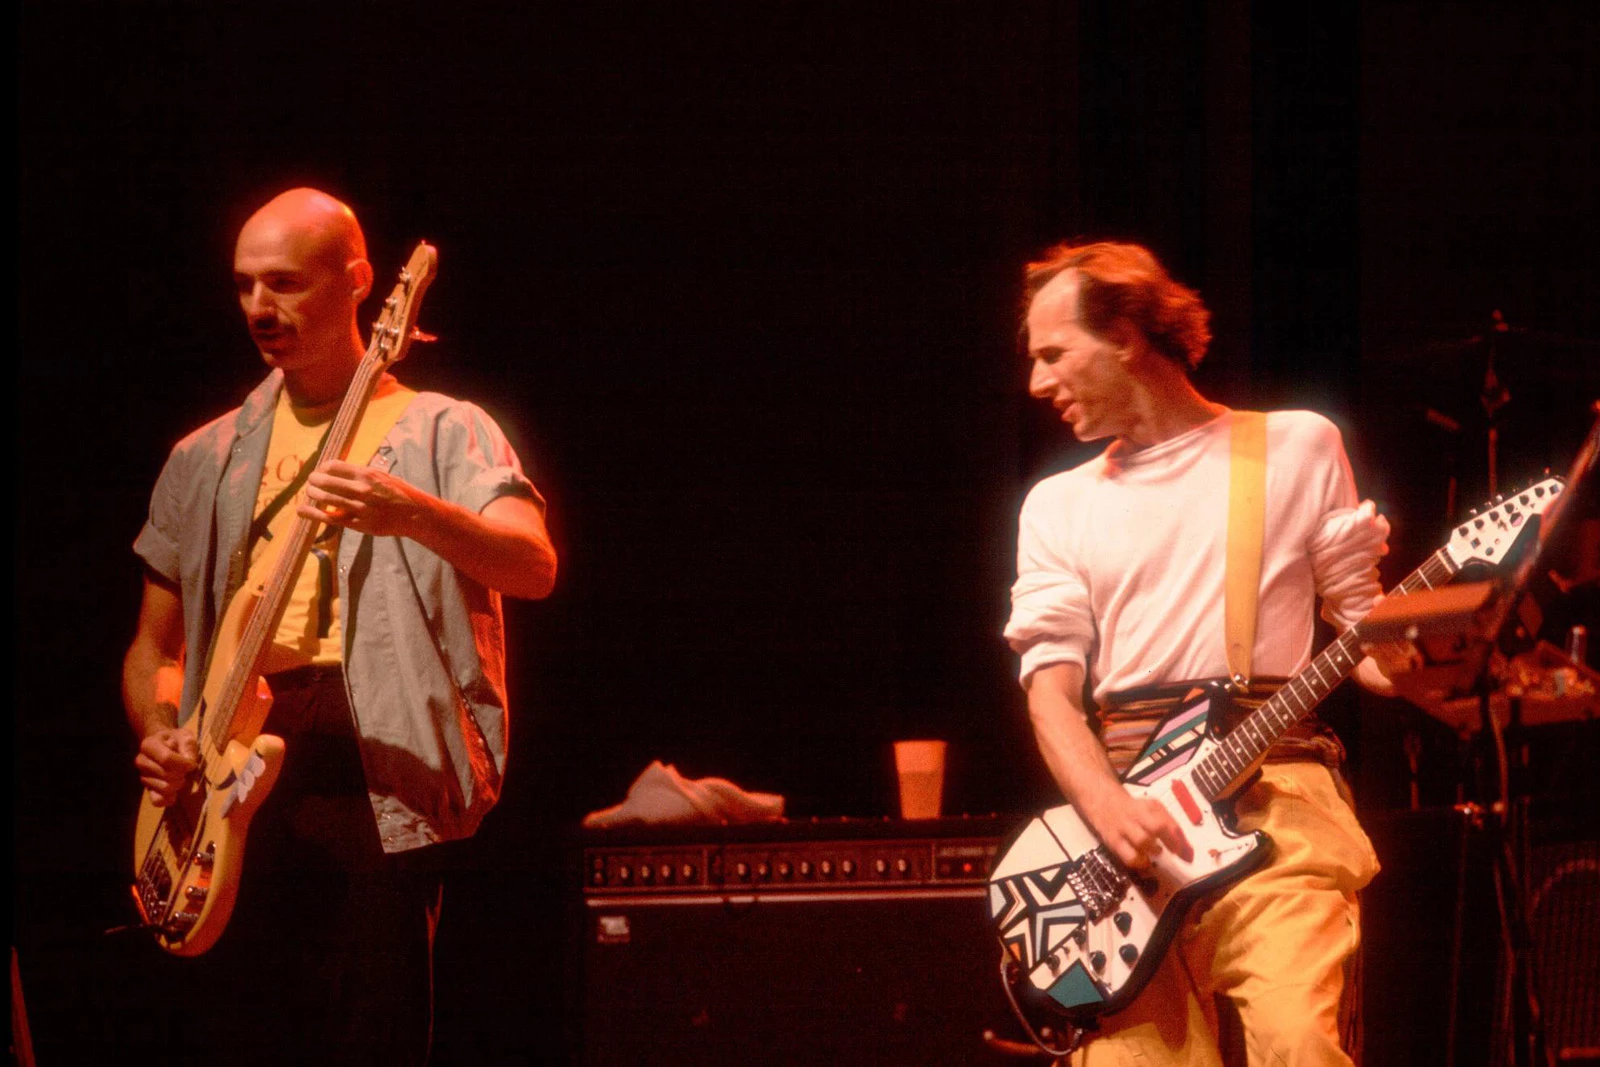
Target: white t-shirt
x: 1121, y: 561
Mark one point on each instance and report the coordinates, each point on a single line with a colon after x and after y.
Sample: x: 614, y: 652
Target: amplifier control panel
x: 790, y: 865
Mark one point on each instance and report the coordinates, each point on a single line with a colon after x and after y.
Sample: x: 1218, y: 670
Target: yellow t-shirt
x: 310, y: 629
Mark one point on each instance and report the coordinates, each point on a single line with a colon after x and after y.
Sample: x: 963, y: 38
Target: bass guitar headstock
x: 396, y: 327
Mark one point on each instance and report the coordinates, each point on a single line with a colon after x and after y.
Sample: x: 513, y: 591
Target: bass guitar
x: 1081, y: 934
x: 188, y: 855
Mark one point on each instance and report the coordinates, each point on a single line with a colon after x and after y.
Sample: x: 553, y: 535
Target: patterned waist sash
x: 1129, y: 718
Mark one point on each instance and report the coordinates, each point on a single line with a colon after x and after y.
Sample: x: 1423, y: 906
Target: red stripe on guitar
x: 1186, y: 801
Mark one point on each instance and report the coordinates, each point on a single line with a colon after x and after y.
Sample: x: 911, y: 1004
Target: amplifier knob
x: 826, y: 868
x: 647, y: 873
x: 665, y: 872
x: 741, y: 870
x: 805, y: 868
x: 881, y: 866
x: 848, y: 868
x: 762, y: 871
x: 784, y: 870
x: 687, y: 870
x: 624, y: 874
x: 901, y: 866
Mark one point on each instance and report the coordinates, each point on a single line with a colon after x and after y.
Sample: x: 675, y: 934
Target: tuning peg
x: 425, y: 338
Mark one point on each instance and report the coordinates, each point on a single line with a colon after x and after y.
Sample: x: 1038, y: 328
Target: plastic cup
x: 920, y: 767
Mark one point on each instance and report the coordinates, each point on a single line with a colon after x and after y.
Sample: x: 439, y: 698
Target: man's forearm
x: 491, y: 549
x: 152, y: 685
x: 1074, y: 755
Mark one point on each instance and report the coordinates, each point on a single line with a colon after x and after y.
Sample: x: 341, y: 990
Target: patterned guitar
x: 187, y: 856
x: 1080, y: 934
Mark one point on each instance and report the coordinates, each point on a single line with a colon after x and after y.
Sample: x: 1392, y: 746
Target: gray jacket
x: 424, y: 645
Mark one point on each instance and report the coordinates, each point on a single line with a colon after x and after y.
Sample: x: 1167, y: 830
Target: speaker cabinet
x: 1435, y: 975
x: 866, y: 950
x: 1563, y: 893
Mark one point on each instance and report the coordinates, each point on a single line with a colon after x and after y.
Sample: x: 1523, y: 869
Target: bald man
x: 388, y: 683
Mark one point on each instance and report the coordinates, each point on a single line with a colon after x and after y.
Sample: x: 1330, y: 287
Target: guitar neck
x: 1238, y: 753
x: 263, y: 624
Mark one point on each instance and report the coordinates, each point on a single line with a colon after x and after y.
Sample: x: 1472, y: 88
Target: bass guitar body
x: 187, y: 856
x: 190, y: 853
x: 1083, y: 934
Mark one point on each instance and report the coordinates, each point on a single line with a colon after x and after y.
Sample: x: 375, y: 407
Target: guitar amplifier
x: 825, y: 941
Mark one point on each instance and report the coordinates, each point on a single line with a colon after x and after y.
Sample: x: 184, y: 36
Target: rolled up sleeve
x: 1051, y: 621
x: 478, y: 464
x: 158, y: 542
x: 1344, y: 553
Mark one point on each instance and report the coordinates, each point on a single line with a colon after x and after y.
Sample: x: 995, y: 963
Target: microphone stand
x: 1494, y: 396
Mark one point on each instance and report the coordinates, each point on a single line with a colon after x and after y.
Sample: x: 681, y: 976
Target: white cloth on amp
x: 661, y: 796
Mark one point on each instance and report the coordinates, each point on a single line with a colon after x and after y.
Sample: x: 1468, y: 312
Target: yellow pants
x: 1275, y: 944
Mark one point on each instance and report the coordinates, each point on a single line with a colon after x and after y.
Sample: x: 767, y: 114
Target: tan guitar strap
x: 383, y: 411
x: 1247, y: 520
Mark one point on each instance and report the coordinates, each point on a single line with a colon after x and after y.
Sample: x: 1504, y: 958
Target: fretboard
x: 1244, y: 746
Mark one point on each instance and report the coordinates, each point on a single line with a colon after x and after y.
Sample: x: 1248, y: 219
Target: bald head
x: 301, y: 271
x: 325, y: 229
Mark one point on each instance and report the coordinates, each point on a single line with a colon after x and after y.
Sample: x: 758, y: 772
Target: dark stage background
x: 739, y: 280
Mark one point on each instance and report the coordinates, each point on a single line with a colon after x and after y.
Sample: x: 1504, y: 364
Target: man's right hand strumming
x: 165, y: 761
x: 1135, y: 829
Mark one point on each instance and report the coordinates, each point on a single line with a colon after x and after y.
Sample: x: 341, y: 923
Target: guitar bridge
x: 153, y: 888
x: 1098, y: 883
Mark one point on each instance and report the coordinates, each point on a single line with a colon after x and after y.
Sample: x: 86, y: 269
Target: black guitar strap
x: 275, y: 505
